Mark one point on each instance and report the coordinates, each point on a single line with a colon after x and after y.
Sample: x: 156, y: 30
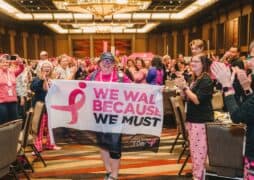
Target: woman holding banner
x: 110, y: 144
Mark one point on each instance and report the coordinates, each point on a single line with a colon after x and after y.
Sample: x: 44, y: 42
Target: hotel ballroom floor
x: 80, y: 162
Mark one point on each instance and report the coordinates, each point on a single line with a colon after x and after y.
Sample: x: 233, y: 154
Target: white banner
x: 105, y: 107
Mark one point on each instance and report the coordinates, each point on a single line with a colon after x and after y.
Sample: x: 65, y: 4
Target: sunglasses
x: 108, y: 61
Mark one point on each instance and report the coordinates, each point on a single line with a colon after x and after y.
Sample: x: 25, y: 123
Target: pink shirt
x: 139, y: 77
x: 112, y: 77
x: 8, y: 84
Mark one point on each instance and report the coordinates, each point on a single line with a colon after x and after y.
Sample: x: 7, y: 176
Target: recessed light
x: 31, y: 1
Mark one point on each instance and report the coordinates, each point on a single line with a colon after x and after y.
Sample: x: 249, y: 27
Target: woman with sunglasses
x: 109, y: 143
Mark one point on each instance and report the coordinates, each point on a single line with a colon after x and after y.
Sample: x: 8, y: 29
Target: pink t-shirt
x: 8, y: 84
x: 112, y: 77
x: 139, y: 77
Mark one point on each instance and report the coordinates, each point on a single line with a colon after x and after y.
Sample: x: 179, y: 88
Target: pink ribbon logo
x: 73, y: 106
x: 151, y: 142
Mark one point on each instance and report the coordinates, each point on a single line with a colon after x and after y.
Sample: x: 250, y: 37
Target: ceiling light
x: 7, y: 7
x: 141, y: 16
x: 123, y: 16
x: 24, y: 16
x: 42, y: 16
x: 63, y: 16
x: 57, y: 28
x: 102, y: 8
x: 160, y: 16
x: 83, y: 16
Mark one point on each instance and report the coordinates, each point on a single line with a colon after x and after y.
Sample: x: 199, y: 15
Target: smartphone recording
x: 13, y: 58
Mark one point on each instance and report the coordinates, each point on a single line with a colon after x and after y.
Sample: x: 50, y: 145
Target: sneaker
x: 54, y: 148
x: 57, y: 148
x: 107, y: 175
x: 33, y: 153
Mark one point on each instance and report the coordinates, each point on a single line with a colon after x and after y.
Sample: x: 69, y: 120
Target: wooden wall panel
x: 220, y: 36
x: 243, y: 30
x: 141, y: 45
x: 62, y: 46
x: 50, y: 46
x: 159, y: 45
x: 41, y: 43
x: 180, y: 44
x: 170, y: 45
x: 98, y: 46
x: 81, y: 48
x: 252, y: 26
x: 30, y: 48
x: 151, y: 43
x: 6, y: 43
x: 123, y: 46
x: 19, y: 45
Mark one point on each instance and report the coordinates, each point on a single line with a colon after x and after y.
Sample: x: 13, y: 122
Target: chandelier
x: 102, y: 8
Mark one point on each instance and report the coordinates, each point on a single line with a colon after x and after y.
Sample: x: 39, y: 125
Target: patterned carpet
x: 83, y: 162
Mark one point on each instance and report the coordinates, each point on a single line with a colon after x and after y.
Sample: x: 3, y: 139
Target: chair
x: 177, y: 118
x: 170, y: 84
x: 24, y: 138
x: 225, y: 150
x: 35, y: 126
x: 217, y: 101
x: 180, y: 115
x: 9, y: 134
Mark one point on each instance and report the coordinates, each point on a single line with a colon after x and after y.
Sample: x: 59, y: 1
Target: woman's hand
x: 223, y: 74
x: 250, y: 64
x: 19, y: 60
x: 243, y: 78
x: 180, y: 82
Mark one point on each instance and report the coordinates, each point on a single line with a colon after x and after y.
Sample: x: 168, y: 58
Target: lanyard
x: 9, y: 83
x: 111, y: 77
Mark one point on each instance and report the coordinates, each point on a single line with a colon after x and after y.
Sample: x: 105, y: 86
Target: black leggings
x: 8, y: 112
x: 111, y: 142
x: 115, y: 155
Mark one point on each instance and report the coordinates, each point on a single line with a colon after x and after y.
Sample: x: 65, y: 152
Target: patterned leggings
x: 43, y: 129
x: 248, y: 165
x: 198, y: 148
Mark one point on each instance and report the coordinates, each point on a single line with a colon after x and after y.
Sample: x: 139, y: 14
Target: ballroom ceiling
x: 44, y: 6
x: 62, y: 21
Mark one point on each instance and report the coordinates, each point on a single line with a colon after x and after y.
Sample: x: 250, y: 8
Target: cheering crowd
x: 23, y: 83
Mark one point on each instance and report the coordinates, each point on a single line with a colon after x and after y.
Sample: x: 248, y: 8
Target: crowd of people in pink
x: 25, y: 82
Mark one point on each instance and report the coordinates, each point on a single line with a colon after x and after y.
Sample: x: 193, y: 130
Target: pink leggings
x: 198, y: 148
x: 43, y: 129
x: 248, y: 165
